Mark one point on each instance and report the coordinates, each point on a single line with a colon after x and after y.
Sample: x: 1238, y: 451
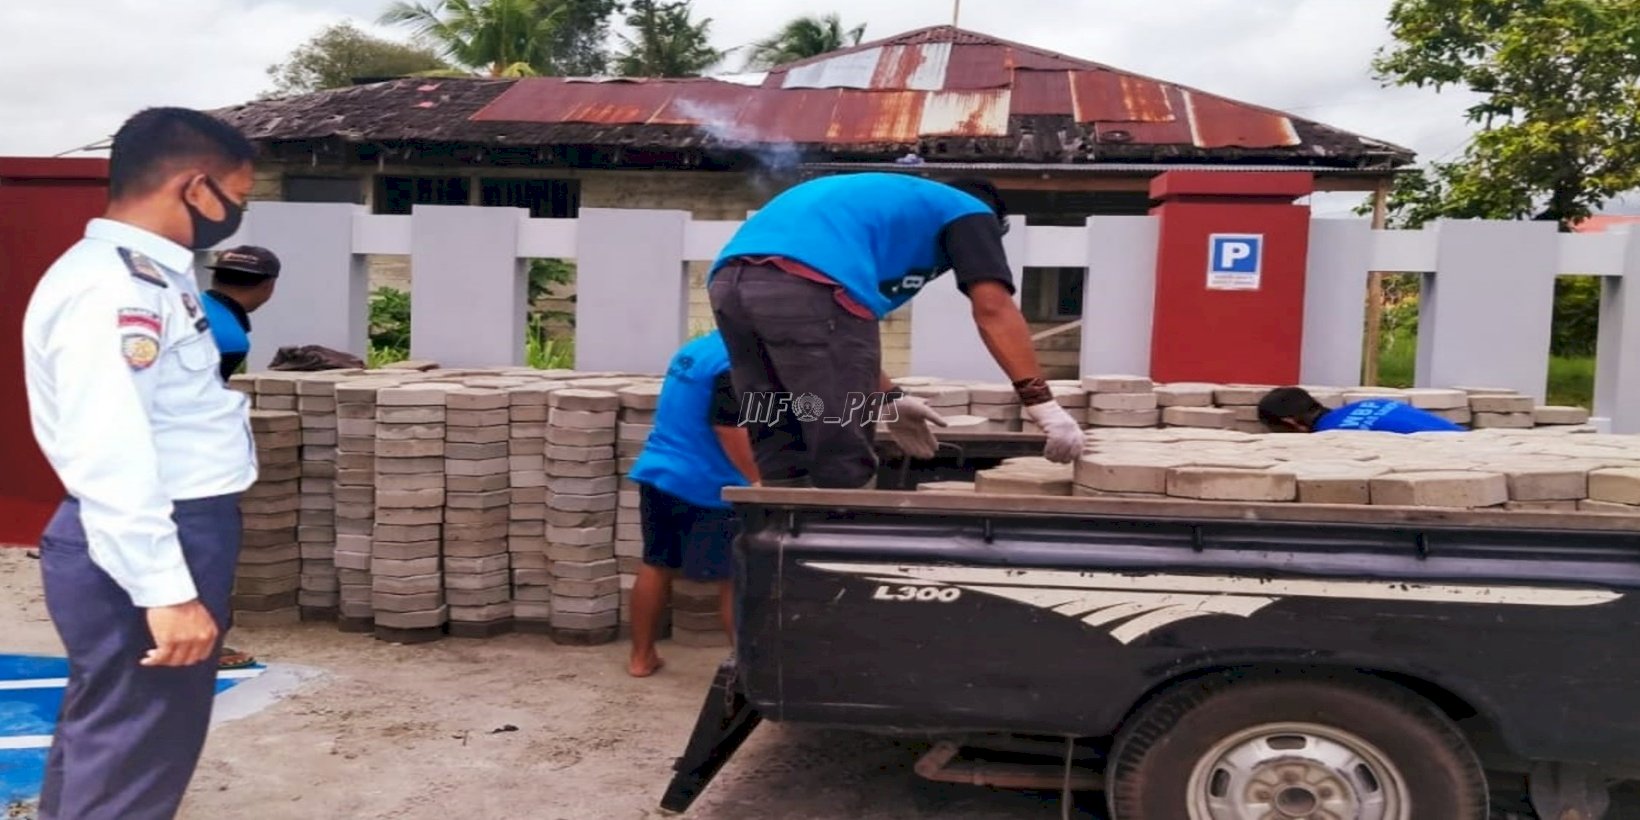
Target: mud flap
x: 726, y: 719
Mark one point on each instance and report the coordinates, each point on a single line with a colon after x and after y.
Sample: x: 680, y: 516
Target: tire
x: 1228, y: 748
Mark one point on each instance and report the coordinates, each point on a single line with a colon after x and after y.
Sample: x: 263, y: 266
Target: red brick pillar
x: 44, y: 205
x: 1230, y: 276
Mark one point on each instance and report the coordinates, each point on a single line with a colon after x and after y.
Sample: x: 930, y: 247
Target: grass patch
x: 1571, y: 378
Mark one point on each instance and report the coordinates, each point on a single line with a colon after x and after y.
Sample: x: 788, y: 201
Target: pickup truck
x: 1195, y: 660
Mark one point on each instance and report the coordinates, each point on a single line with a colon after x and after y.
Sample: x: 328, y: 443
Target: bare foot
x: 645, y: 665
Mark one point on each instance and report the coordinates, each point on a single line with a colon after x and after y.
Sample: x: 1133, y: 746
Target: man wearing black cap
x: 242, y: 280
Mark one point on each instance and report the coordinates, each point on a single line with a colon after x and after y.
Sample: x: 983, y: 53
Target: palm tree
x: 665, y: 42
x: 501, y: 38
x: 802, y: 38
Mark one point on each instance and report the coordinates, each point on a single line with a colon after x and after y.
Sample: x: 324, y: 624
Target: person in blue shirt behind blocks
x: 695, y: 449
x: 1293, y: 409
x: 798, y: 293
x: 242, y: 280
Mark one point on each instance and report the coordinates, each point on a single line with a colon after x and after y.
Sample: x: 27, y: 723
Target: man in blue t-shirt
x: 242, y: 280
x: 695, y: 449
x: 1293, y: 409
x: 798, y: 293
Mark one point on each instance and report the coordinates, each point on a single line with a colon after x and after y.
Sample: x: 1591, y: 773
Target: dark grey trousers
x: 129, y: 736
x: 788, y: 337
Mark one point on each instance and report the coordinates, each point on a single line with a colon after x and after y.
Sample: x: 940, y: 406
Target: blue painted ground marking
x: 31, y: 691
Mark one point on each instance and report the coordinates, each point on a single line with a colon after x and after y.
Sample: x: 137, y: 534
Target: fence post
x: 1334, y: 301
x: 631, y: 289
x: 945, y: 343
x: 321, y: 297
x: 1484, y: 317
x: 467, y: 288
x: 1119, y: 294
x: 1617, y: 356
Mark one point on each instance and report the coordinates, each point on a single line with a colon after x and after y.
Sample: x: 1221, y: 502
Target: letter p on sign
x: 1234, y: 261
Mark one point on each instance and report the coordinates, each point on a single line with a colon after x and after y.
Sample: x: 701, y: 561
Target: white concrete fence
x: 1484, y: 320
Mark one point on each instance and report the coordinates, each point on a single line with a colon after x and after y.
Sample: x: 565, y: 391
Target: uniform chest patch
x: 140, y: 319
x: 140, y: 350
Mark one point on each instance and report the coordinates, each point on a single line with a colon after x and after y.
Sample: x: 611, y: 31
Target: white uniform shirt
x: 127, y: 403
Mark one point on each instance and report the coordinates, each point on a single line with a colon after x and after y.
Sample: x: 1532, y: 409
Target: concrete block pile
x: 582, y: 490
x: 414, y: 502
x: 637, y: 419
x: 407, y: 543
x: 266, y: 580
x: 1565, y: 469
x: 354, y: 487
x: 477, y: 516
x: 527, y: 514
x: 319, y: 596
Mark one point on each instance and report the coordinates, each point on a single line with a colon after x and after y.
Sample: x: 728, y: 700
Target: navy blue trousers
x: 129, y: 736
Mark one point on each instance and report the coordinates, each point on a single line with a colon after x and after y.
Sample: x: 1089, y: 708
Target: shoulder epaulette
x: 143, y: 268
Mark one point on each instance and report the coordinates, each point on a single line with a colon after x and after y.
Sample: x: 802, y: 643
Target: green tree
x: 339, y: 54
x: 500, y: 38
x: 578, y: 43
x: 665, y: 42
x: 1559, y: 108
x: 802, y: 38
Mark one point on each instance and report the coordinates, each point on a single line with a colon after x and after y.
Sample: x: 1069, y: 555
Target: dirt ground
x: 405, y: 732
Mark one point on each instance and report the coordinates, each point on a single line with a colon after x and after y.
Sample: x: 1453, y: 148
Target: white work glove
x: 910, y: 427
x: 1065, y: 436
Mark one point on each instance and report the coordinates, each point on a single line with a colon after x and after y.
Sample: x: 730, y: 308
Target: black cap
x: 248, y: 259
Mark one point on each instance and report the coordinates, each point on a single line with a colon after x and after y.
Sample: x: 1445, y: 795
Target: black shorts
x: 677, y: 535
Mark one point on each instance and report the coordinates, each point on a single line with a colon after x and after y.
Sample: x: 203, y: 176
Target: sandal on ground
x: 234, y: 659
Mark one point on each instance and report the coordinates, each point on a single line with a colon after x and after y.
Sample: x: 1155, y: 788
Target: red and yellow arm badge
x: 140, y: 332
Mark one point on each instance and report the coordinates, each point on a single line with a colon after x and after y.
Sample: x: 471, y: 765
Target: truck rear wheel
x: 1283, y: 749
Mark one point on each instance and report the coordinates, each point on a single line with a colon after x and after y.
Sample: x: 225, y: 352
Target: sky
x: 76, y: 68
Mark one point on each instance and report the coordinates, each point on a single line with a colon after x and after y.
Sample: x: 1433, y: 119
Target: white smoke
x: 774, y: 158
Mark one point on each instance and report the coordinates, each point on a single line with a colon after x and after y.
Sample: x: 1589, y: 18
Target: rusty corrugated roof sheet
x: 976, y: 98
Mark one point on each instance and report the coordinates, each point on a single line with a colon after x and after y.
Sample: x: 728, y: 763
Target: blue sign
x: 1235, y: 261
x: 31, y: 692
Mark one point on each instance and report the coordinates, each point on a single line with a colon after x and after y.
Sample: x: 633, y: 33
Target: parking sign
x: 1234, y: 261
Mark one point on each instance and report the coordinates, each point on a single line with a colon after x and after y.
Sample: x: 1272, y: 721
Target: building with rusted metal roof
x: 1065, y: 137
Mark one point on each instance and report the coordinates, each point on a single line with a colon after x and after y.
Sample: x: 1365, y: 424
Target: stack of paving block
x: 1121, y: 401
x: 1070, y: 396
x: 1025, y: 475
x: 1242, y: 401
x: 478, y: 497
x: 637, y: 420
x: 1545, y: 470
x: 320, y: 593
x: 406, y: 581
x: 266, y: 580
x: 528, y: 514
x: 581, y: 505
x: 999, y: 405
x: 355, y: 493
x: 695, y: 618
x: 1187, y: 404
x: 1502, y: 410
x: 945, y: 398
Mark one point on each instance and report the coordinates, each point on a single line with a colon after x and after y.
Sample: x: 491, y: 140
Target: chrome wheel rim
x: 1296, y: 771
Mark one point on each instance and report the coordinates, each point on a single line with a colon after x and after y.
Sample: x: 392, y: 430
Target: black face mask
x: 208, y: 233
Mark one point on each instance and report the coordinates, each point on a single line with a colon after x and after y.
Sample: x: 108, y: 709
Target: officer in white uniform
x: 154, y: 451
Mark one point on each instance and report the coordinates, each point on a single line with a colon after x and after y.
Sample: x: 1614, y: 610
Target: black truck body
x: 954, y: 615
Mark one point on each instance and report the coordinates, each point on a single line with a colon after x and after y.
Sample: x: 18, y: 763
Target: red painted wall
x: 44, y: 205
x: 1201, y: 334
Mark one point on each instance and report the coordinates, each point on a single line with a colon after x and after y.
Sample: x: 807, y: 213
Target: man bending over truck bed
x: 798, y: 293
x: 1294, y: 410
x: 695, y: 449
